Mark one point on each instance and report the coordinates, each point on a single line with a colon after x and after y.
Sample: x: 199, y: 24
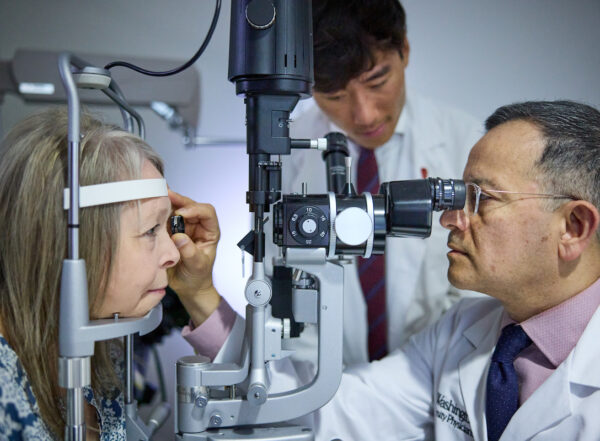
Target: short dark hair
x: 570, y: 163
x: 347, y: 32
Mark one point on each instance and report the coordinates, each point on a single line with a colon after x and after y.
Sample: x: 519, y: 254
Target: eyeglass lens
x: 472, y: 199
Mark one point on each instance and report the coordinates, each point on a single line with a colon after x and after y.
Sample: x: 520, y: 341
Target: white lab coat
x: 428, y: 136
x: 433, y: 388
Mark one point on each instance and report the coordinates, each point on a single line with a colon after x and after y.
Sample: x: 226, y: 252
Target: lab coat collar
x: 580, y: 367
x: 472, y: 369
x: 403, y: 123
x: 480, y: 332
x: 408, y: 121
x: 426, y: 137
x: 548, y: 412
x: 584, y: 361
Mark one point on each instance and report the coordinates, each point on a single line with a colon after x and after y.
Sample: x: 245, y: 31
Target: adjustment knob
x: 287, y: 328
x: 353, y: 226
x: 308, y: 225
x: 260, y: 14
x: 257, y: 394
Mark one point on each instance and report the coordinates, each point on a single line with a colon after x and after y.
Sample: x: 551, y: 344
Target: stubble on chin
x: 457, y: 277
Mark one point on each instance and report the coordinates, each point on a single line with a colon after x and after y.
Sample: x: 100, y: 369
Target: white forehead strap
x: 111, y: 192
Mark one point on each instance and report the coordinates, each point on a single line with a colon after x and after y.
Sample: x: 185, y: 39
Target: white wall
x: 474, y: 54
x: 482, y: 54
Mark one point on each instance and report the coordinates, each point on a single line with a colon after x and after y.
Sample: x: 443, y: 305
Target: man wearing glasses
x: 524, y: 363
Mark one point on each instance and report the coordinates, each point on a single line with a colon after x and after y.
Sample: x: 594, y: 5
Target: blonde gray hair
x: 33, y: 239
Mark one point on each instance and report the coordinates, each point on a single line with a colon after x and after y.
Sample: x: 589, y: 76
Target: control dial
x: 260, y: 14
x: 307, y: 224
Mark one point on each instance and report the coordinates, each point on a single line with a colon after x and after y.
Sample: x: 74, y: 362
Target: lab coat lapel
x: 429, y: 145
x: 404, y: 258
x: 472, y: 369
x: 547, y: 411
x: 586, y: 357
x: 580, y: 367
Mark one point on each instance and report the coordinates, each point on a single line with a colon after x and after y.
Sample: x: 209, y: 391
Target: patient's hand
x: 191, y: 278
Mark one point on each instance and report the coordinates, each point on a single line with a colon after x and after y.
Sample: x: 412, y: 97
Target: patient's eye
x: 152, y: 232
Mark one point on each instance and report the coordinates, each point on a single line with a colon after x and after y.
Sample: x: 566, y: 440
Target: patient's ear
x: 580, y: 222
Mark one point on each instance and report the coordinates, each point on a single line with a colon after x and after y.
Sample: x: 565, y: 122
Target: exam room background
x: 473, y: 54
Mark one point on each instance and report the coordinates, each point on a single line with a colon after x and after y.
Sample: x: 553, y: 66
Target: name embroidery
x: 448, y: 412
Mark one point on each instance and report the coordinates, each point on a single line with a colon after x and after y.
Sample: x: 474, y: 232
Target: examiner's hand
x: 191, y: 278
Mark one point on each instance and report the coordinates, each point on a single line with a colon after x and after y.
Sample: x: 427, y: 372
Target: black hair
x: 346, y: 34
x: 570, y: 162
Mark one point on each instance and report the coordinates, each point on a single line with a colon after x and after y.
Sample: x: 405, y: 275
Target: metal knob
x: 216, y: 420
x: 260, y: 14
x: 200, y: 400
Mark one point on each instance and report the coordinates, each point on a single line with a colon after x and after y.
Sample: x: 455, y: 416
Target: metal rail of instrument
x: 77, y: 333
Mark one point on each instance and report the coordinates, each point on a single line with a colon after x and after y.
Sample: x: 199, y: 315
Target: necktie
x: 502, y: 399
x: 371, y: 271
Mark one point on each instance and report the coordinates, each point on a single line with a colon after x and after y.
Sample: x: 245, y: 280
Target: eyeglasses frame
x: 479, y: 190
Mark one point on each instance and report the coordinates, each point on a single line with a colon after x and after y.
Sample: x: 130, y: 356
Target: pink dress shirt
x: 554, y: 333
x: 208, y: 338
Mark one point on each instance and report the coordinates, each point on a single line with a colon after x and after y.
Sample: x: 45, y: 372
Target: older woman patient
x: 127, y: 251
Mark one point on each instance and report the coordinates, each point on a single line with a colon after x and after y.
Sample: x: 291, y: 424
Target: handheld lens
x: 177, y: 224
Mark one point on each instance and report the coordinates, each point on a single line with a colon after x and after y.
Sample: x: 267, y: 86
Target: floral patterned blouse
x: 19, y: 412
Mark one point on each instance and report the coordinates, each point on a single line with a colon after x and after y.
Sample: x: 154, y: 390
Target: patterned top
x: 19, y: 412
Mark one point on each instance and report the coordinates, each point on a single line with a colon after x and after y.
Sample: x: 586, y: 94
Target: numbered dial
x: 308, y: 225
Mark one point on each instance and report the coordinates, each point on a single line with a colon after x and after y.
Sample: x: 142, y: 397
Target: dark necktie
x: 371, y: 271
x: 502, y: 398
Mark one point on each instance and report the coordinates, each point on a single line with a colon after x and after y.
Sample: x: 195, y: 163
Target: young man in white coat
x: 360, y: 54
x: 521, y: 364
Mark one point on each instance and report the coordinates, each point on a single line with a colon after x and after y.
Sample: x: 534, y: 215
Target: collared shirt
x: 212, y: 333
x: 554, y: 333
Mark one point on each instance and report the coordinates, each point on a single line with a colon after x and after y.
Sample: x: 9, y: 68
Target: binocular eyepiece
x: 409, y: 204
x: 350, y: 224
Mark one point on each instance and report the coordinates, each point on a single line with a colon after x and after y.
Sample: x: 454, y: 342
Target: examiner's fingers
x: 178, y: 200
x: 190, y: 255
x: 196, y: 213
x: 194, y: 270
x: 202, y: 222
x: 199, y: 213
x: 181, y: 240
